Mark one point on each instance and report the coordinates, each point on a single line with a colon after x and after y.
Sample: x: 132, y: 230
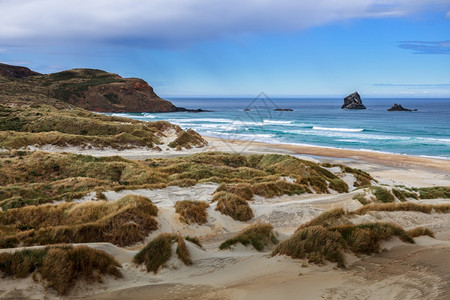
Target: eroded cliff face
x: 129, y: 95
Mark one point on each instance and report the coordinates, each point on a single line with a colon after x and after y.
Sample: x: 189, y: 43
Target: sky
x: 227, y: 48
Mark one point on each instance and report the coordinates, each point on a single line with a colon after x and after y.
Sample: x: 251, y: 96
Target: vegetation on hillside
x: 41, y: 125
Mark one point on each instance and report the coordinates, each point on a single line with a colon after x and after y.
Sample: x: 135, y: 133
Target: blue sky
x: 190, y: 48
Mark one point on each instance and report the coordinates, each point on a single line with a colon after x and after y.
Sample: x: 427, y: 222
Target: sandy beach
x: 400, y: 271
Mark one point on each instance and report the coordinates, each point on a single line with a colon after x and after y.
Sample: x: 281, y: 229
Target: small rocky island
x: 399, y: 107
x: 353, y: 101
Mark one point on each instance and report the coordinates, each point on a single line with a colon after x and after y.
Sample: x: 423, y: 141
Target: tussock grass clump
x: 325, y: 219
x: 193, y: 239
x: 60, y: 266
x: 434, y: 192
x: 183, y: 252
x: 233, y: 206
x: 366, y: 238
x: 382, y: 194
x: 123, y: 222
x: 404, y: 206
x: 338, y: 185
x: 402, y: 195
x: 188, y: 139
x: 419, y: 231
x: 192, y: 211
x: 258, y: 235
x: 158, y: 251
x: 361, y: 197
x: 277, y: 188
x: 243, y: 190
x: 362, y: 178
x: 317, y: 243
x: 314, y: 243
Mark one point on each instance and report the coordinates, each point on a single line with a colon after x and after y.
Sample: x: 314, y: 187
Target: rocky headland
x: 90, y: 89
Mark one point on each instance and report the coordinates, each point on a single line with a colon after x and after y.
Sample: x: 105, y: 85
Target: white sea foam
x: 211, y: 120
x: 338, y: 129
x: 277, y: 122
x: 147, y: 115
x: 352, y: 141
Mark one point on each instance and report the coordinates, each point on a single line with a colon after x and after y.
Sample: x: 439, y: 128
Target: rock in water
x: 398, y: 107
x: 353, y: 101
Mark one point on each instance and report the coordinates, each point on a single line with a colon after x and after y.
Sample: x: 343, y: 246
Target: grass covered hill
x: 91, y: 89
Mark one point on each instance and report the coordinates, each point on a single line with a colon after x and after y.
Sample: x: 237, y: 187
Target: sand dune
x: 405, y: 271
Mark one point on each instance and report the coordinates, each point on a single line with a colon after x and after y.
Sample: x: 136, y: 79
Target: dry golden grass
x: 159, y: 250
x: 419, y: 231
x: 192, y: 211
x: 233, y: 206
x: 317, y: 243
x: 39, y: 177
x: 314, y: 243
x: 183, y: 252
x: 325, y: 219
x: 122, y: 222
x: 188, y: 139
x: 258, y: 235
x: 193, y: 239
x: 60, y: 266
x: 243, y: 190
x: 404, y: 206
x: 367, y: 238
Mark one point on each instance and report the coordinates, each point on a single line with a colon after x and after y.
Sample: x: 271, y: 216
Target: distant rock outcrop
x: 283, y: 109
x: 353, y: 101
x: 16, y: 71
x: 398, y: 107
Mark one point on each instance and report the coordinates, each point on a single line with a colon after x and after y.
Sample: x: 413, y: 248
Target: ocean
x: 320, y: 122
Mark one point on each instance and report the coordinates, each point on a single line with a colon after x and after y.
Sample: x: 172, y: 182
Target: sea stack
x: 353, y: 101
x: 398, y: 107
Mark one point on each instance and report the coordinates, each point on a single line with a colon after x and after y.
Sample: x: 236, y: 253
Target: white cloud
x: 448, y: 14
x: 154, y: 22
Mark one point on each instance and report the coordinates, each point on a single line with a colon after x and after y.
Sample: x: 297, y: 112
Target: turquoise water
x: 321, y: 122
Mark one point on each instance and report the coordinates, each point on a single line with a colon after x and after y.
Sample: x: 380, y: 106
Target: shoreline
x: 388, y: 159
